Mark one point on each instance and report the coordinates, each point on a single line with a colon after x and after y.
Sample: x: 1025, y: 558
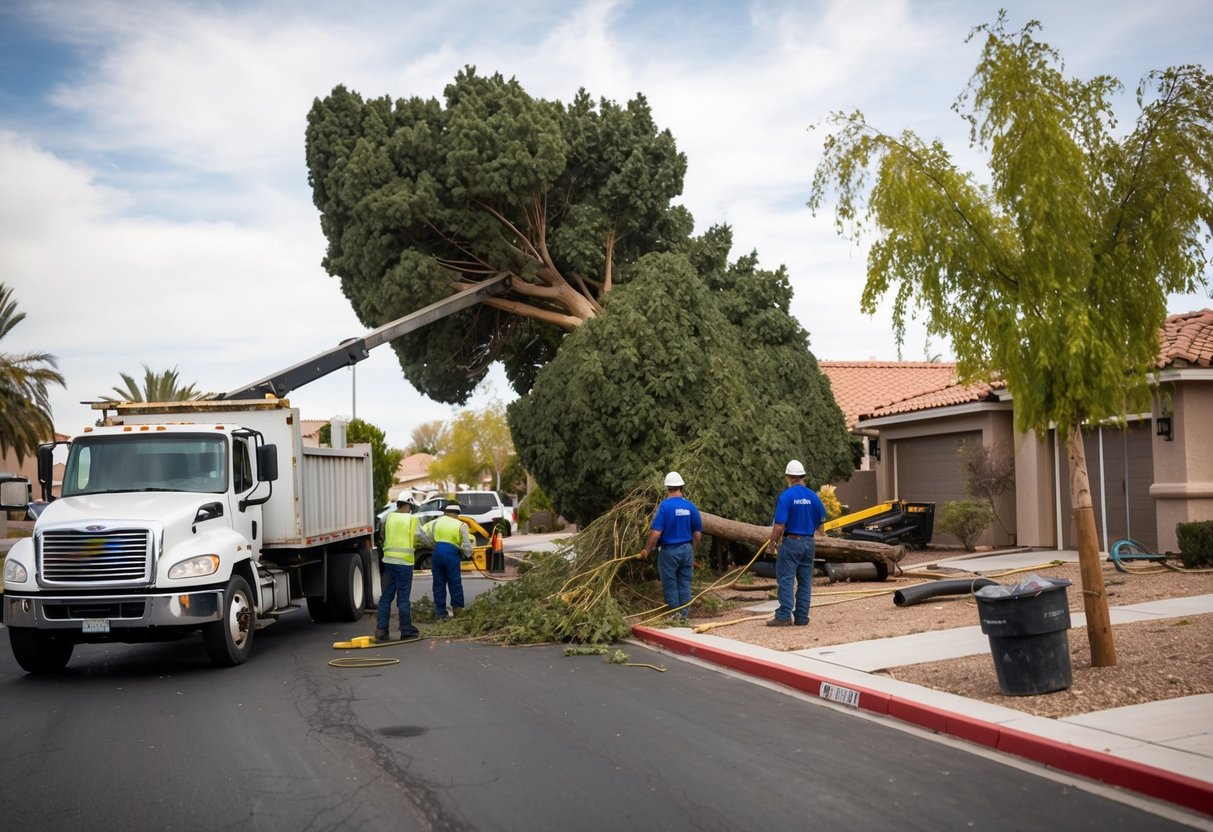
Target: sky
x: 154, y: 202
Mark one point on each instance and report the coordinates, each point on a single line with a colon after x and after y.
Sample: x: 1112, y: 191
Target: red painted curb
x: 1126, y: 774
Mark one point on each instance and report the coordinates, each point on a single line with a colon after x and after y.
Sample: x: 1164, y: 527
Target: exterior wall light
x: 1162, y: 426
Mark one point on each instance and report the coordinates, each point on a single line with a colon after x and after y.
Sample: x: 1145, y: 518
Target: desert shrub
x: 965, y: 519
x: 1195, y: 543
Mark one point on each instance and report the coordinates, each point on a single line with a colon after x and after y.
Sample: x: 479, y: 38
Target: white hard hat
x: 794, y: 469
x: 453, y: 507
x: 673, y: 480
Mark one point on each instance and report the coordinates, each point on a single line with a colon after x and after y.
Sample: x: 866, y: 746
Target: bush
x: 1195, y: 543
x: 829, y: 499
x: 965, y: 519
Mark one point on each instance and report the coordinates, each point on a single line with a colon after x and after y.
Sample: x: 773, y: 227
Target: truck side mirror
x: 46, y: 469
x: 267, y: 463
x: 16, y: 493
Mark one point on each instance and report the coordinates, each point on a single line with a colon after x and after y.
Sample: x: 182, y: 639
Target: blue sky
x: 155, y: 206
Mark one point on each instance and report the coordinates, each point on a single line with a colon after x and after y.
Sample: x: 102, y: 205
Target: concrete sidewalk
x: 1163, y: 750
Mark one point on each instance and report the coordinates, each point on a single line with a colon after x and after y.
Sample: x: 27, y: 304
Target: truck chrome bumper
x: 121, y: 611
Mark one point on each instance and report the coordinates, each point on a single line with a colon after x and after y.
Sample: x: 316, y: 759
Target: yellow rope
x: 712, y: 625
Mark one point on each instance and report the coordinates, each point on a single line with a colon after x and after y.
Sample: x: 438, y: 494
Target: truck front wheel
x: 229, y: 640
x: 40, y: 651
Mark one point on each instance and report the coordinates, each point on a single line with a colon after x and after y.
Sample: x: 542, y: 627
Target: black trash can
x: 1029, y: 638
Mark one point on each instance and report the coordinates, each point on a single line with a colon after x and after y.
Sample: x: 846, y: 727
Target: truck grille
x: 113, y: 557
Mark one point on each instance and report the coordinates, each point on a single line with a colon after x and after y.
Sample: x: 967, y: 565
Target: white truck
x: 173, y: 519
x: 179, y: 518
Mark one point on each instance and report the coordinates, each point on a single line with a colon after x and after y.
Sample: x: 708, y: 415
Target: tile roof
x: 862, y: 386
x: 311, y: 427
x: 1187, y: 340
x: 414, y: 467
x: 948, y: 396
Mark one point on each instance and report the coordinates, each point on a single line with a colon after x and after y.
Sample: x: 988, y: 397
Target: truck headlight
x: 198, y: 567
x: 14, y: 573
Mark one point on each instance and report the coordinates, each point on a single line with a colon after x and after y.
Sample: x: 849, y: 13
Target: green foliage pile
x: 580, y: 593
x: 966, y: 519
x: 679, y: 361
x: 1195, y: 543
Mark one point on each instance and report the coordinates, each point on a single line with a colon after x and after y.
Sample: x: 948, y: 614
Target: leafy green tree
x: 457, y: 461
x: 384, y: 460
x: 25, y: 409
x: 420, y: 198
x: 426, y: 438
x: 494, y: 445
x: 1056, y: 273
x: 724, y: 390
x: 157, y: 387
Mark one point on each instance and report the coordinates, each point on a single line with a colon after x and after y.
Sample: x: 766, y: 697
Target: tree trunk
x: 1094, y: 599
x: 829, y: 549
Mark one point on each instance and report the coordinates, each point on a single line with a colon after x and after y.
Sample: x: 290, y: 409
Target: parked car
x: 489, y: 508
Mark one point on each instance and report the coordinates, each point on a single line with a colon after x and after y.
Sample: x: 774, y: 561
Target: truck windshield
x: 146, y: 462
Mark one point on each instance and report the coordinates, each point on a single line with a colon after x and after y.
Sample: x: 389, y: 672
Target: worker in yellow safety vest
x: 400, y: 534
x: 452, y: 543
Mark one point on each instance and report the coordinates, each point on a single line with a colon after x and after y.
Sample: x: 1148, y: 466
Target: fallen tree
x: 829, y: 549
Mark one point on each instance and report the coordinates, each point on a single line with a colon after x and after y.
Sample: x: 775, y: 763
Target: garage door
x: 929, y: 469
x: 1128, y: 471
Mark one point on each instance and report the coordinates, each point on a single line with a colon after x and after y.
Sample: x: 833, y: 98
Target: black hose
x: 953, y: 586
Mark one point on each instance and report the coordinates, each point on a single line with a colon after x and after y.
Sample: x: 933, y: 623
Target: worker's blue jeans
x: 674, y: 565
x: 445, y: 568
x: 794, y: 577
x: 397, y: 581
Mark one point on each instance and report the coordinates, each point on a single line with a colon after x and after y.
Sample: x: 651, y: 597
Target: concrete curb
x: 1150, y: 781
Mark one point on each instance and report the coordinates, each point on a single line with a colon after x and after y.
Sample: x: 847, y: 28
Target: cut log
x: 829, y: 549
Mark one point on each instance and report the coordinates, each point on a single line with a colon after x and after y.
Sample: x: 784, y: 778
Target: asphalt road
x: 470, y: 736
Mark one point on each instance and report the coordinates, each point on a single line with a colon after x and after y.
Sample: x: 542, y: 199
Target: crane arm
x: 353, y: 350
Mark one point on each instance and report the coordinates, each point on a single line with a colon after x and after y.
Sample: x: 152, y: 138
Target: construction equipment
x: 896, y: 521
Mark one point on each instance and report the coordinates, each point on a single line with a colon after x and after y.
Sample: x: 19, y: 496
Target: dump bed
x: 322, y: 495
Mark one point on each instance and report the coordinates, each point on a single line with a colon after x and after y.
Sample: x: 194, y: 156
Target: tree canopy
x: 25, y: 409
x: 417, y: 199
x: 631, y: 342
x: 1055, y: 274
x: 719, y: 385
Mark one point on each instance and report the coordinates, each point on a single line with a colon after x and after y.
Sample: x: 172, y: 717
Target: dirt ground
x: 1155, y: 660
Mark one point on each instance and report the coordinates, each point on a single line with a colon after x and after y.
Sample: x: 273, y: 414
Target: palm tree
x: 25, y: 408
x: 157, y: 387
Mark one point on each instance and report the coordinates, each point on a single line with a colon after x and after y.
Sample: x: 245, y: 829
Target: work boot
x: 780, y: 622
x: 381, y: 635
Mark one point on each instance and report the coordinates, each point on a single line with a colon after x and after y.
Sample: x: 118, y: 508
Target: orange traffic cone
x: 496, y: 554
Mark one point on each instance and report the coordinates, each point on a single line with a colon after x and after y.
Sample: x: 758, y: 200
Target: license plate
x: 837, y: 694
x: 96, y: 625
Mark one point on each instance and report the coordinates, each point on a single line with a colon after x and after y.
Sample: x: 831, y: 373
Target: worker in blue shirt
x: 798, y: 514
x: 675, y: 533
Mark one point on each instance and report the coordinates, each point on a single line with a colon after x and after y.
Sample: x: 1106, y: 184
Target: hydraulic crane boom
x: 353, y: 350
